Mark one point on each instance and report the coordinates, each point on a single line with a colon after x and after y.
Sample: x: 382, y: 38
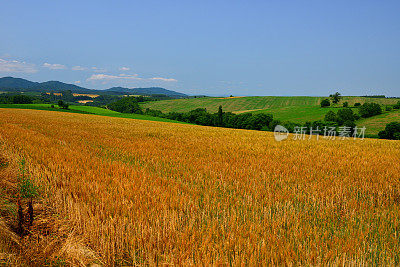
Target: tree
x: 21, y: 99
x: 272, y: 125
x: 325, y: 103
x: 336, y: 97
x: 350, y: 124
x: 126, y: 105
x: 392, y: 131
x: 345, y: 104
x: 330, y: 116
x: 259, y: 121
x: 369, y: 110
x: 67, y: 95
x: 345, y: 114
x: 60, y: 103
x: 220, y: 116
x: 357, y: 104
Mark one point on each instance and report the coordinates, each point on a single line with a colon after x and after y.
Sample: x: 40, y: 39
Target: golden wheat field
x: 134, y: 192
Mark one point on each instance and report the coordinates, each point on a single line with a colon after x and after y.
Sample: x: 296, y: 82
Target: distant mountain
x: 18, y: 84
x: 11, y: 84
x: 146, y: 91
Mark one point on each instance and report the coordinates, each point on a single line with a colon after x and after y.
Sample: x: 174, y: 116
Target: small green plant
x: 57, y: 261
x: 3, y: 163
x: 26, y: 190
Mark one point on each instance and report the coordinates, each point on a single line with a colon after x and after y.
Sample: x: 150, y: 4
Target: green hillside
x: 251, y: 103
x: 295, y: 109
x: 377, y: 123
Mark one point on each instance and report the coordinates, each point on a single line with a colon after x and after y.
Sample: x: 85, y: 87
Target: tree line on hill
x: 68, y: 97
x: 347, y: 117
x: 199, y: 116
x: 261, y: 121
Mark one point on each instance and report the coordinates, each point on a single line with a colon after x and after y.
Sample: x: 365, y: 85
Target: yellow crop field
x: 136, y: 192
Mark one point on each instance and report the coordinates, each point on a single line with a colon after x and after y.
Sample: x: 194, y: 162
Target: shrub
x: 325, y: 103
x: 369, y: 110
x: 345, y: 114
x: 388, y: 108
x: 21, y: 99
x: 357, y: 104
x: 62, y: 104
x: 397, y: 106
x: 351, y: 125
x: 330, y: 116
x: 126, y: 105
x: 272, y: 125
x: 345, y: 104
x: 392, y: 131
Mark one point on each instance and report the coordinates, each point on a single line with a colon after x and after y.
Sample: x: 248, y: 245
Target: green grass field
x: 300, y: 114
x: 298, y: 109
x: 252, y: 103
x: 294, y: 109
x: 377, y: 123
x: 87, y: 110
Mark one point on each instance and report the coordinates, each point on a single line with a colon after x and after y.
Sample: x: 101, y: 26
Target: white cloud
x: 105, y: 77
x: 16, y: 66
x: 96, y: 69
x: 96, y: 77
x: 164, y: 79
x: 78, y: 68
x: 124, y: 68
x: 54, y: 66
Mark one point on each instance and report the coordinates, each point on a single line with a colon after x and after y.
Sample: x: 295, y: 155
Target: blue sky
x: 206, y: 47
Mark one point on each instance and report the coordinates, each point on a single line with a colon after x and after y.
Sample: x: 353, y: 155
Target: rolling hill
x: 11, y: 84
x: 298, y: 109
x: 253, y: 103
x: 146, y: 91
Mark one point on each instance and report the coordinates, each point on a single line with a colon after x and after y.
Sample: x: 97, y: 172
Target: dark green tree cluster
x: 344, y: 116
x: 15, y: 99
x: 325, y: 103
x: 392, y: 131
x: 126, y: 105
x: 367, y: 110
x: 200, y: 116
x: 63, y: 105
